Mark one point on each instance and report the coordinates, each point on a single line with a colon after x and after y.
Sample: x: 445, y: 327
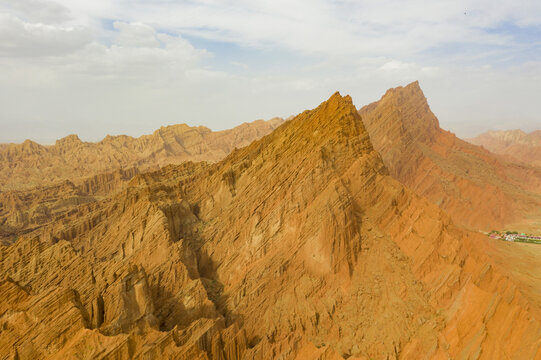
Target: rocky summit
x: 305, y: 244
x: 479, y: 189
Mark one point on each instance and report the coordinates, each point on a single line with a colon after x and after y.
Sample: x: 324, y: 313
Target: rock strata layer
x: 27, y: 165
x: 478, y: 189
x: 299, y: 246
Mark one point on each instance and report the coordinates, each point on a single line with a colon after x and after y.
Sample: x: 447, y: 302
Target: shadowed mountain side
x: 477, y: 188
x: 298, y: 246
x: 27, y: 165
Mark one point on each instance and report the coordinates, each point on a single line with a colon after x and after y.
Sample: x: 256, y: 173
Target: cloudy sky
x: 128, y: 67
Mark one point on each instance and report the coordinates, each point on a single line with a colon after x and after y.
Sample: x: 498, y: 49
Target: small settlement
x: 514, y: 236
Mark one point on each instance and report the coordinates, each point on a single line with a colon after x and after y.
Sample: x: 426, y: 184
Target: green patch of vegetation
x: 530, y: 241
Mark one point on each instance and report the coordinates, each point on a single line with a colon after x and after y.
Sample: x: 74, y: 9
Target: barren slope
x: 27, y: 165
x: 299, y: 246
x: 514, y: 143
x: 477, y: 188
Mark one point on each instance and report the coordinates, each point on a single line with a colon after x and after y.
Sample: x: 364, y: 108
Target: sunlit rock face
x: 478, y: 189
x: 300, y: 245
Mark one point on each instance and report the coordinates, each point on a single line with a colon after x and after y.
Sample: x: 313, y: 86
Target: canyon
x: 338, y: 234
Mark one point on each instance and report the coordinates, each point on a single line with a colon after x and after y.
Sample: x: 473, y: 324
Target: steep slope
x: 514, y: 143
x: 26, y: 165
x: 298, y: 246
x: 478, y: 189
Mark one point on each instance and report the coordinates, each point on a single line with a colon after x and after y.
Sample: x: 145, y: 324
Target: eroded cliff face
x: 24, y: 211
x: 27, y: 165
x: 298, y: 246
x: 33, y: 194
x: 478, y: 189
x: 516, y: 144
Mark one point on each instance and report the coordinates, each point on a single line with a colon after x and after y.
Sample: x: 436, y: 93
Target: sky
x: 128, y: 67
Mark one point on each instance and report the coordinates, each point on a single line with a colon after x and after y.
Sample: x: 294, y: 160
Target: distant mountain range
x: 23, y: 166
x: 515, y: 143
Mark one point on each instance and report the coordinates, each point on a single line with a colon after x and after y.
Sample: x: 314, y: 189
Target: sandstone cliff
x: 27, y: 165
x: 514, y: 143
x: 477, y: 188
x: 298, y: 246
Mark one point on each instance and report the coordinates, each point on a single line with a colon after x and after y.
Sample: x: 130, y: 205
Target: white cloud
x: 135, y: 35
x: 20, y: 38
x: 37, y: 10
x: 121, y: 66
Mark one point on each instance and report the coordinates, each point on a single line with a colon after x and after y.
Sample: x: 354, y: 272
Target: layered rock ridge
x: 478, y: 189
x: 298, y: 246
x: 27, y: 165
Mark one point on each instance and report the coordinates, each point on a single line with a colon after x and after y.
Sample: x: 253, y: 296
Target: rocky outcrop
x: 23, y: 166
x: 515, y: 144
x: 478, y: 189
x: 27, y: 165
x: 298, y: 246
x: 24, y: 211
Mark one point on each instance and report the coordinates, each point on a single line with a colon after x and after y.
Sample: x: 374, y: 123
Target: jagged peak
x: 405, y: 105
x: 409, y: 91
x: 183, y: 127
x: 414, y: 86
x: 333, y: 127
x: 72, y: 138
x: 27, y: 145
x: 29, y: 142
x: 335, y: 110
x: 339, y: 99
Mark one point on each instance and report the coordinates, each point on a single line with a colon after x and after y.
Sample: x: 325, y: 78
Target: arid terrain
x: 517, y: 144
x: 338, y: 234
x: 479, y: 189
x: 26, y: 165
x: 39, y: 184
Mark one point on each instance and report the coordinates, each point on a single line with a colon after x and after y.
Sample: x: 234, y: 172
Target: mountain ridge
x: 517, y: 144
x: 265, y: 254
x: 26, y: 165
x: 479, y: 189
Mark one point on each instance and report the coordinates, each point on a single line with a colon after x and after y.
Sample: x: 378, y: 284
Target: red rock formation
x: 513, y: 143
x: 478, y: 189
x: 27, y: 165
x: 298, y: 246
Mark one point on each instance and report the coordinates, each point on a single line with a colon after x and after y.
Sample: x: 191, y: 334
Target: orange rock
x: 513, y: 143
x: 27, y: 165
x: 298, y: 246
x: 478, y: 189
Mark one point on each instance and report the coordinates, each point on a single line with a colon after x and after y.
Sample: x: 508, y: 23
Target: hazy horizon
x: 116, y: 67
x: 135, y: 134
